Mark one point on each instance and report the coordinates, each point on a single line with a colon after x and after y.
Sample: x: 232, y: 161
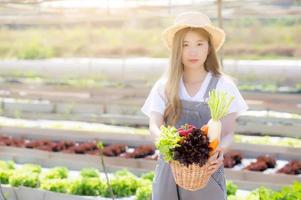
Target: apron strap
x: 178, y: 192
x: 212, y: 85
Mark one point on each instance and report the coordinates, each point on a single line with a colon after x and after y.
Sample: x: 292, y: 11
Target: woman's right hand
x: 215, y: 161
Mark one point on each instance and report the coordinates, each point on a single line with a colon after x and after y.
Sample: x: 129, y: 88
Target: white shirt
x: 155, y: 101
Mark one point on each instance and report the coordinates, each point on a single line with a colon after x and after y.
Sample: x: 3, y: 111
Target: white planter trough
x: 61, y: 196
x: 40, y: 107
x: 26, y: 193
x: 9, y: 192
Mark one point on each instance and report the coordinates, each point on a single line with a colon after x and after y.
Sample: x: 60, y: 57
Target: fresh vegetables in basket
x: 189, y: 148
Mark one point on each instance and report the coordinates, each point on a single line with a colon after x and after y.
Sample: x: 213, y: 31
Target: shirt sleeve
x: 155, y: 102
x: 238, y: 105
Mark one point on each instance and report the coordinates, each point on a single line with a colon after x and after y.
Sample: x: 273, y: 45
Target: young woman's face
x: 195, y: 50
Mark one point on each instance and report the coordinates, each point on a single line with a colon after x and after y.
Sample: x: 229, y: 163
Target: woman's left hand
x: 216, y: 162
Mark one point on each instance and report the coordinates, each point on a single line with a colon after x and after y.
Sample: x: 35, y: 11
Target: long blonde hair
x: 175, y: 71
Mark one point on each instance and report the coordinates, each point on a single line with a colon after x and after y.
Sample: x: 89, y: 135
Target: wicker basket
x: 192, y: 177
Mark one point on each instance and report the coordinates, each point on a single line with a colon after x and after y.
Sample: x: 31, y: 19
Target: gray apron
x: 164, y: 186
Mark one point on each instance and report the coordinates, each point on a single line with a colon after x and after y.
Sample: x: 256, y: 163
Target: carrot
x: 213, y: 145
x: 205, y: 129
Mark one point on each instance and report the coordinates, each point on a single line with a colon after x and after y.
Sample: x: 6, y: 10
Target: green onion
x: 219, y: 103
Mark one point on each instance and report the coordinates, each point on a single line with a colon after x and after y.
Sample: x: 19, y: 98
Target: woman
x: 181, y: 98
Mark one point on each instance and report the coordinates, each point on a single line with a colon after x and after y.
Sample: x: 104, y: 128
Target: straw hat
x: 195, y: 20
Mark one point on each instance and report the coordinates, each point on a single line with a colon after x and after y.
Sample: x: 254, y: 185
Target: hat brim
x: 217, y: 35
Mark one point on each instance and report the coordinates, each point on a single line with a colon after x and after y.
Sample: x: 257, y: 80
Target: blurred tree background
x: 33, y: 29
